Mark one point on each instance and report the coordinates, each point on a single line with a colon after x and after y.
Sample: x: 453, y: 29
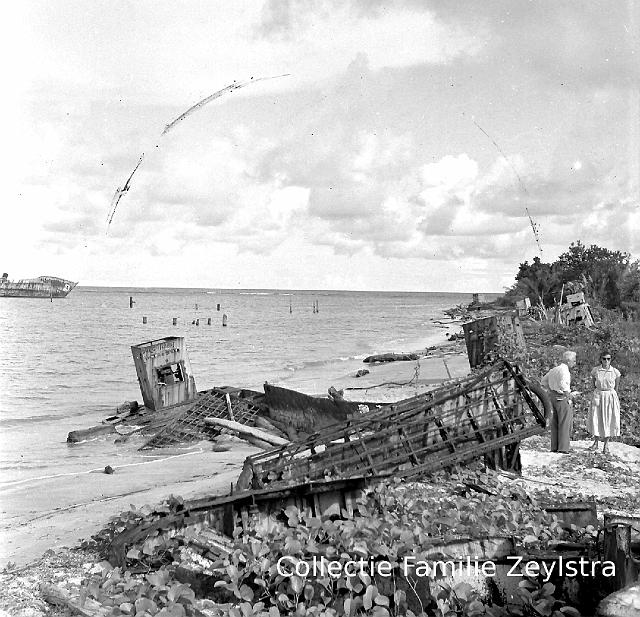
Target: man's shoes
x: 569, y: 451
x: 593, y: 447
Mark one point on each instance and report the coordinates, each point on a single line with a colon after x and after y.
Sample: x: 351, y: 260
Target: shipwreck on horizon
x: 40, y: 287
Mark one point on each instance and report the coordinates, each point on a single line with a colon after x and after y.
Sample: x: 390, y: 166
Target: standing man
x: 558, y: 382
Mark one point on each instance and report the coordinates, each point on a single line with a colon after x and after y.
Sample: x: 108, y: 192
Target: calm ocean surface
x: 67, y: 364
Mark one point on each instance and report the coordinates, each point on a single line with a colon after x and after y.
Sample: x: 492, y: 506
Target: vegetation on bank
x: 547, y: 340
x: 397, y: 523
x: 610, y: 279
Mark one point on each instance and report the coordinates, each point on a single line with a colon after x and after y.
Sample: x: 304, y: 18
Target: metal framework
x: 189, y: 426
x: 487, y: 413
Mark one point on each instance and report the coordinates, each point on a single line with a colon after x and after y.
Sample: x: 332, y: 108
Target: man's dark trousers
x: 561, y: 423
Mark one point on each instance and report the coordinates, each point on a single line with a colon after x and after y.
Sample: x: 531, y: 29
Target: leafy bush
x: 395, y: 521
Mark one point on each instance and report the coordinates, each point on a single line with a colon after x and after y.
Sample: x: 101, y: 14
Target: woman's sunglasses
x: 605, y: 358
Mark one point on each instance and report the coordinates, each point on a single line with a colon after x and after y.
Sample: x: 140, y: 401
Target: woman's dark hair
x: 605, y: 353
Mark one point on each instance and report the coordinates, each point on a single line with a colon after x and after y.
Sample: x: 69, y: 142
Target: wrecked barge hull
x: 224, y: 513
x: 488, y: 414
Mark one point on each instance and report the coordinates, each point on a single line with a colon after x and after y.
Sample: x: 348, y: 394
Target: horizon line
x: 284, y: 289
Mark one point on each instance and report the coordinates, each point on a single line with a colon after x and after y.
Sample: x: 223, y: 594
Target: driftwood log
x: 392, y: 357
x: 245, y: 431
x: 90, y: 433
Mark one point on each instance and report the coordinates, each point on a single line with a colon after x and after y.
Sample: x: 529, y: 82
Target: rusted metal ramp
x: 487, y: 413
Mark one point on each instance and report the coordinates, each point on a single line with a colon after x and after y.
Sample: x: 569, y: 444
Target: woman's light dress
x: 604, y: 415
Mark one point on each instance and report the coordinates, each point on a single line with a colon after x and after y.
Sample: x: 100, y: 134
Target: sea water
x: 67, y: 364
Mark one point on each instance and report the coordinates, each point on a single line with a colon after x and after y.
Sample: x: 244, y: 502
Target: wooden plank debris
x: 244, y: 431
x: 416, y: 436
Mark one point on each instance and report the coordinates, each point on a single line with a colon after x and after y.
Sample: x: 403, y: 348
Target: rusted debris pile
x: 488, y: 413
x: 279, y: 411
x: 190, y: 425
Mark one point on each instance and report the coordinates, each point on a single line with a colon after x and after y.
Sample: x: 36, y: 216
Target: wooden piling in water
x: 144, y: 319
x: 224, y: 319
x: 175, y: 321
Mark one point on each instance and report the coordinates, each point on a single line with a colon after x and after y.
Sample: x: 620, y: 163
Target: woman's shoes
x: 605, y: 450
x: 593, y: 447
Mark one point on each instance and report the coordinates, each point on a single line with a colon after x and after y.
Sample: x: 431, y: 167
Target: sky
x: 409, y: 147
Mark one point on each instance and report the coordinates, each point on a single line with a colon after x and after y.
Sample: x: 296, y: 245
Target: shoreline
x: 58, y: 510
x: 62, y: 512
x: 50, y: 519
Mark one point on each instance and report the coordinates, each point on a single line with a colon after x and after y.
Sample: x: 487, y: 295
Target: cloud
x: 391, y: 36
x: 367, y: 154
x: 576, y: 44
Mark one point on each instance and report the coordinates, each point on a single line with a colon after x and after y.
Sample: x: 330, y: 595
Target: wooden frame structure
x: 190, y: 425
x: 487, y: 413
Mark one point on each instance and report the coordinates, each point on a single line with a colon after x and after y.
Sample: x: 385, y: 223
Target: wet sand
x: 61, y: 511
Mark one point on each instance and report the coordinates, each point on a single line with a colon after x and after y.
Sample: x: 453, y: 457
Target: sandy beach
x: 62, y: 510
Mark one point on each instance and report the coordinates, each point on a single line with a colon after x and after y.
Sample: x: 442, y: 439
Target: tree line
x: 608, y: 278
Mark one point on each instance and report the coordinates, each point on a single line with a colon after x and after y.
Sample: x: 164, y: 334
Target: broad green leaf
x: 246, y: 593
x: 296, y: 584
x: 174, y: 610
x: 381, y: 600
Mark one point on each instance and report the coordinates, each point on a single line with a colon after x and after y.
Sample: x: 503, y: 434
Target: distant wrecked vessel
x: 41, y: 287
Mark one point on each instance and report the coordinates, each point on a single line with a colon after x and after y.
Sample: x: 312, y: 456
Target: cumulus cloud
x: 578, y: 44
x: 391, y: 36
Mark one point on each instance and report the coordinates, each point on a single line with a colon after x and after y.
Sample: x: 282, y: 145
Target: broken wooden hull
x: 224, y: 513
x: 293, y: 413
x: 488, y: 413
x: 214, y: 519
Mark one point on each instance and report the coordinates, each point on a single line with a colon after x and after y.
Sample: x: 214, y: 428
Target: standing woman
x: 604, y: 416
